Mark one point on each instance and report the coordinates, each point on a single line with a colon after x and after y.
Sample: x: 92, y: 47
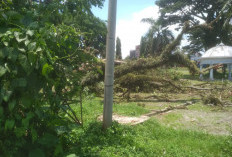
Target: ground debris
x: 138, y: 120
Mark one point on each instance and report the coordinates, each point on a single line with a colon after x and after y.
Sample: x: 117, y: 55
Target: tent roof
x: 218, y: 54
x: 218, y: 51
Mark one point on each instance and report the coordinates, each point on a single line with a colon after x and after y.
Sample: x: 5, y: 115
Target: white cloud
x: 131, y: 30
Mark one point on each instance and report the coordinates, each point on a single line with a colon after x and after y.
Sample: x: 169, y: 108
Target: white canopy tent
x: 220, y: 54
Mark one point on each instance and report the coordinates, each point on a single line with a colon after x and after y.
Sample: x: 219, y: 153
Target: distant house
x: 135, y: 53
x: 132, y: 54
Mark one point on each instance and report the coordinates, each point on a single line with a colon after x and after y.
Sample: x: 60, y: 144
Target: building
x: 134, y: 54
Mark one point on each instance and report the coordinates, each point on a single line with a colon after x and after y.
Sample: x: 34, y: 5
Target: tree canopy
x: 46, y: 48
x: 177, y: 12
x: 118, y: 49
x: 155, y: 40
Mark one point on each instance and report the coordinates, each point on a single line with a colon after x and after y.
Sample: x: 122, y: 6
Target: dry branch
x: 184, y: 106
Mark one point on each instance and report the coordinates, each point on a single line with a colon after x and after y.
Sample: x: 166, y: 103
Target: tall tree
x: 118, y: 49
x: 155, y: 39
x: 43, y: 60
x: 175, y: 12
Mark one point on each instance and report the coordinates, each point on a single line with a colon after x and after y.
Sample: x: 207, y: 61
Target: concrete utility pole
x: 109, y: 68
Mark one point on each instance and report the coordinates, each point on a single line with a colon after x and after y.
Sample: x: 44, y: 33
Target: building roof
x: 219, y: 54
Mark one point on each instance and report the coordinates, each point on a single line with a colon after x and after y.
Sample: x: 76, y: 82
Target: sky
x: 129, y: 27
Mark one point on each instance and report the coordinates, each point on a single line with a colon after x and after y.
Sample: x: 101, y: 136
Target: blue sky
x: 125, y: 8
x: 129, y: 14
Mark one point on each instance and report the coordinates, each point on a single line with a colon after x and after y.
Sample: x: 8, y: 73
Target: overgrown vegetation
x: 42, y: 62
x: 49, y: 65
x: 148, y: 139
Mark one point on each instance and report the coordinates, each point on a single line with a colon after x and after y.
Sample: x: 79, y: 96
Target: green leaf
x: 71, y: 155
x: 58, y: 150
x: 19, y: 82
x: 30, y: 32
x: 5, y: 43
x: 46, y: 69
x: 9, y: 124
x: 2, y: 71
x: 5, y: 51
x: 13, y: 55
x: 38, y: 49
x: 8, y: 33
x: 26, y: 121
x: 17, y: 37
x: 6, y: 95
x: 26, y: 42
x: 19, y: 132
x: 32, y: 57
x: 34, y: 135
x: 36, y: 153
x: 22, y: 49
x: 24, y: 63
x: 12, y: 105
x: 32, y: 46
x: 4, y: 16
x: 48, y: 140
x: 27, y: 101
x: 1, y: 111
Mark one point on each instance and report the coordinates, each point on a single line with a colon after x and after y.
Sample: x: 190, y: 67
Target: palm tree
x: 155, y: 39
x: 227, y: 12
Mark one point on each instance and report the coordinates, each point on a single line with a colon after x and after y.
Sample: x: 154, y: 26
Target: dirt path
x: 212, y: 122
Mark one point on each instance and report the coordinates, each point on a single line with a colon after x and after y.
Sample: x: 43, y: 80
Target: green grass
x: 149, y: 139
x: 129, y: 109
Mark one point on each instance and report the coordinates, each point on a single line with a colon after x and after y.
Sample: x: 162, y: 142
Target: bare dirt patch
x: 128, y: 120
x: 217, y: 123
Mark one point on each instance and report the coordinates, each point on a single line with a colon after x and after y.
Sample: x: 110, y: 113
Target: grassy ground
x: 179, y: 133
x: 148, y: 139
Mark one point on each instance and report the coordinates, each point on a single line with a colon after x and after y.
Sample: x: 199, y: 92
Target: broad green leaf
x: 25, y: 122
x: 4, y: 16
x: 6, y: 95
x: 12, y: 105
x: 9, y: 124
x: 7, y: 67
x: 8, y: 33
x: 26, y: 42
x: 38, y: 49
x: 23, y: 60
x: 32, y: 57
x: 17, y: 37
x: 22, y: 49
x: 13, y: 55
x: 36, y: 153
x: 46, y: 69
x: 4, y: 52
x: 30, y: 32
x: 32, y: 46
x: 2, y: 71
x: 6, y: 43
x: 16, y: 34
x: 25, y: 64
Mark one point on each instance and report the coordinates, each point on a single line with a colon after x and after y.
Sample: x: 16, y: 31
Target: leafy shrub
x: 40, y: 72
